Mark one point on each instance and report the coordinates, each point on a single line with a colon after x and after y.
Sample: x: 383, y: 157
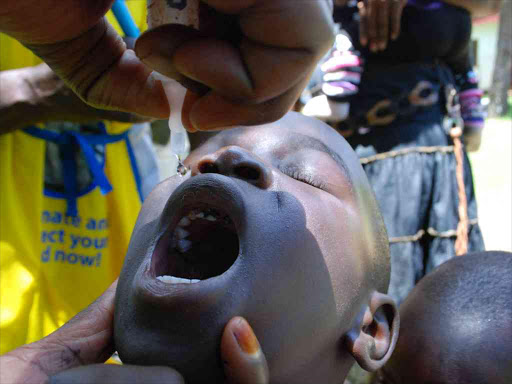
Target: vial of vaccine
x: 185, y: 12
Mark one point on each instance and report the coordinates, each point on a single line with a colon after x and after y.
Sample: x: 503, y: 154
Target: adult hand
x: 244, y: 363
x: 76, y: 41
x: 380, y: 21
x: 254, y: 58
x: 255, y: 66
x: 36, y: 94
x: 85, y: 339
x: 64, y: 105
x: 74, y: 353
x: 59, y: 103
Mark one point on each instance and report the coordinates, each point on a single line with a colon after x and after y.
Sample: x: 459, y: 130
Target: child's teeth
x: 181, y: 233
x: 200, y: 215
x: 184, y: 222
x: 184, y: 245
x: 176, y: 280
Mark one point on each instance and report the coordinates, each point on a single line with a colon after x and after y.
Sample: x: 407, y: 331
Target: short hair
x: 456, y: 324
x: 478, y: 283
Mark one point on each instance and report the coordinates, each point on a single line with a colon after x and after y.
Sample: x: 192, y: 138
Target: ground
x: 492, y: 173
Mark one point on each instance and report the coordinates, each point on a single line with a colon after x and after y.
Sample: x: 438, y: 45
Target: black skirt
x: 411, y: 167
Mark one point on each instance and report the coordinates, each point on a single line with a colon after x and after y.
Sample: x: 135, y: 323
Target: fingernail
x: 245, y: 337
x: 382, y: 46
x: 142, y: 51
x: 363, y: 42
x: 155, y: 62
x: 161, y: 64
x: 373, y: 47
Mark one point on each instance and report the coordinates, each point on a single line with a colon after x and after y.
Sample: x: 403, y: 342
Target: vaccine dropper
x: 179, y: 141
x: 185, y: 12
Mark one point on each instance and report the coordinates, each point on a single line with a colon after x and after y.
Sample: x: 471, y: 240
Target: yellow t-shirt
x: 53, y: 265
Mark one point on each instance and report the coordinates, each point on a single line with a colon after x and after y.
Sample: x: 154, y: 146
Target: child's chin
x: 200, y: 369
x: 201, y: 373
x: 196, y: 358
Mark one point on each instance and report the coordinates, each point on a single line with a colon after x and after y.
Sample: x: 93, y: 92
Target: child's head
x: 456, y: 325
x: 277, y: 224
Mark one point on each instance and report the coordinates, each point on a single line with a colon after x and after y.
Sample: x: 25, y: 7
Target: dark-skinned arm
x: 380, y: 21
x: 255, y: 70
x: 34, y: 95
x: 17, y: 110
x: 75, y: 352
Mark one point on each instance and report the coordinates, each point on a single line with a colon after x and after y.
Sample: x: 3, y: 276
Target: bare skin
x: 380, y: 22
x: 381, y: 19
x: 36, y: 94
x: 310, y: 276
x: 305, y: 215
x: 85, y: 339
x: 244, y: 88
x: 457, y: 325
x: 74, y: 353
x: 274, y: 223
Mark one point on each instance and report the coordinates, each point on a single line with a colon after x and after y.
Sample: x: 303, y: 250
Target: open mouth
x: 204, y: 243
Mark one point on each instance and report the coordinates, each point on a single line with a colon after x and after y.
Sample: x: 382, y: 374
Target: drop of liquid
x: 175, y: 96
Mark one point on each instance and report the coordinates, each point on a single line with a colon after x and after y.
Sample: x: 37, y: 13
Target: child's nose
x: 236, y: 162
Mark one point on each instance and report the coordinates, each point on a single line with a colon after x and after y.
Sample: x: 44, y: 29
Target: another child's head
x: 278, y: 224
x: 456, y: 325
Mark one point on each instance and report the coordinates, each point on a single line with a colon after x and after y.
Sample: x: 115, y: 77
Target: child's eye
x: 304, y: 177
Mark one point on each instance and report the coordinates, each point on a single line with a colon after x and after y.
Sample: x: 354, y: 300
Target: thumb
x: 90, y: 331
x: 102, y: 72
x: 85, y: 339
x: 244, y: 361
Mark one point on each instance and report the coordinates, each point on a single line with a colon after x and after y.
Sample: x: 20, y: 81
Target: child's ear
x: 372, y: 340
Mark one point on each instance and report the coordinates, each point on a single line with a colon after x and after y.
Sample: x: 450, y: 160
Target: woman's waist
x: 407, y: 92
x: 383, y: 70
x: 400, y: 136
x: 424, y: 104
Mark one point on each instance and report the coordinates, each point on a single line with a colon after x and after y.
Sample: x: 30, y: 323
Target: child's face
x: 248, y: 235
